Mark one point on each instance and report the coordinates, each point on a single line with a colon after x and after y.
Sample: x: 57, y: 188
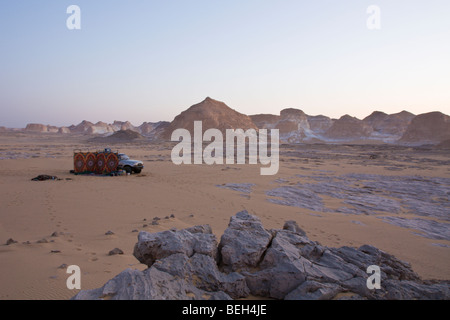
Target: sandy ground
x: 83, y: 209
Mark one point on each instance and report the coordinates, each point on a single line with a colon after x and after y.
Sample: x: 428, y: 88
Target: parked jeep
x: 130, y: 166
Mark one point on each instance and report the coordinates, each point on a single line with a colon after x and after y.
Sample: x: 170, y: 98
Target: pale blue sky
x: 143, y: 60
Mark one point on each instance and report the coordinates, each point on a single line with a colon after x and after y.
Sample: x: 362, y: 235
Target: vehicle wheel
x: 128, y: 169
x: 137, y: 171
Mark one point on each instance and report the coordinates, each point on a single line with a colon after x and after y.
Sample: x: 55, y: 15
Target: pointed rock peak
x: 210, y: 100
x: 209, y: 104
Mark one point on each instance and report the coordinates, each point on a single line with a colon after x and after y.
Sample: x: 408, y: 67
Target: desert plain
x: 393, y: 197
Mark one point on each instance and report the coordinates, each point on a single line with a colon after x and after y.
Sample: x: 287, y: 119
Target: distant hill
x: 148, y: 129
x: 36, y: 127
x: 348, y: 127
x: 389, y: 124
x: 265, y: 121
x: 120, y: 136
x: 432, y: 127
x: 294, y: 125
x: 213, y: 114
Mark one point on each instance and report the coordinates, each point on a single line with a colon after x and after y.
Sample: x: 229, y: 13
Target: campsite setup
x: 105, y: 162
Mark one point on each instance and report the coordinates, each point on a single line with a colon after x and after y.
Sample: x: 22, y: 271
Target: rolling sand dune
x: 64, y: 222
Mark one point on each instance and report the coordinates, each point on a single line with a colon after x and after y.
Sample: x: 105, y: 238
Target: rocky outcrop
x: 243, y: 243
x: 155, y: 246
x: 153, y: 130
x: 120, y: 136
x: 36, y: 127
x: 265, y: 121
x: 294, y: 125
x: 348, y: 128
x: 250, y: 260
x: 320, y: 124
x: 432, y: 127
x: 100, y: 128
x: 123, y: 125
x: 87, y: 127
x: 182, y: 265
x: 150, y: 284
x: 147, y: 127
x: 213, y: 114
x: 391, y: 126
x: 64, y: 130
x: 52, y: 129
x: 82, y: 127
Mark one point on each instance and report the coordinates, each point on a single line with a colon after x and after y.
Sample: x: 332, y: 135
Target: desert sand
x: 82, y: 208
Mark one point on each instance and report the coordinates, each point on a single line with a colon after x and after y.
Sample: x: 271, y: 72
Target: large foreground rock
x: 182, y: 265
x: 150, y: 284
x: 153, y: 246
x: 244, y: 242
x: 250, y: 260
